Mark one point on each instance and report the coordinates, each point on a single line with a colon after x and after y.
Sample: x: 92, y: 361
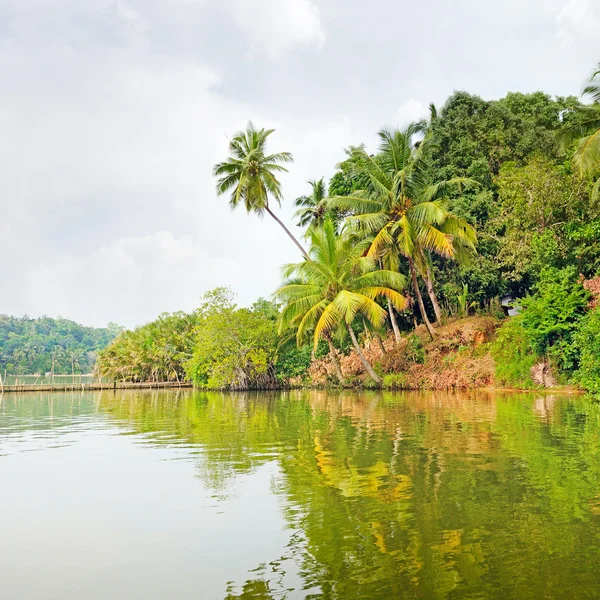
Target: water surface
x: 141, y: 495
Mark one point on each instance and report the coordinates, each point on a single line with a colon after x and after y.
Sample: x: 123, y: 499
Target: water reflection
x: 384, y: 495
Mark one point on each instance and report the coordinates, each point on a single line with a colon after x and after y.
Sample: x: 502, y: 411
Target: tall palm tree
x: 586, y: 130
x: 335, y: 285
x: 403, y: 210
x: 312, y: 209
x: 250, y: 174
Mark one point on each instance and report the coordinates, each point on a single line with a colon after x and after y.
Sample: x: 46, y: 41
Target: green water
x: 299, y: 495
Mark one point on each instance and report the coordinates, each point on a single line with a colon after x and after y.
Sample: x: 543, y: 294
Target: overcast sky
x: 113, y: 112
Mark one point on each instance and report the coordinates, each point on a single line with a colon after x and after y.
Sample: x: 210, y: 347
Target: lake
x: 293, y: 495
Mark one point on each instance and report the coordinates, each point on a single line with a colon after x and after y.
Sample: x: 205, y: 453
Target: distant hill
x: 41, y: 345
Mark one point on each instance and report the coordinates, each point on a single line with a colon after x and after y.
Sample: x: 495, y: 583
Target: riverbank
x: 460, y: 357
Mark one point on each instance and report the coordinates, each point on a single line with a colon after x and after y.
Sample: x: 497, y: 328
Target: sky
x: 113, y: 113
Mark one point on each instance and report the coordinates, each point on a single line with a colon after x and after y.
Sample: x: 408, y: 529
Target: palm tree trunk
x: 363, y: 358
x: 380, y: 343
x: 336, y: 362
x: 413, y: 275
x: 288, y: 232
x: 432, y: 296
x: 393, y: 321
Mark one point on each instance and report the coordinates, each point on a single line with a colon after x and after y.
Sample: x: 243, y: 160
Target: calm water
x: 299, y: 495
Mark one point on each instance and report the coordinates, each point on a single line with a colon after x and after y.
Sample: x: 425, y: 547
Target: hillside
x: 458, y: 358
x: 37, y: 345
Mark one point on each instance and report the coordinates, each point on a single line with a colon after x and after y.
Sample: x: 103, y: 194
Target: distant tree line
x: 44, y: 345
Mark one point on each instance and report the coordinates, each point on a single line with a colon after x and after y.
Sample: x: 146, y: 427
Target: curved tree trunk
x: 304, y: 253
x: 363, y: 358
x: 336, y: 362
x: 432, y: 296
x: 413, y: 275
x: 380, y: 343
x: 394, y: 322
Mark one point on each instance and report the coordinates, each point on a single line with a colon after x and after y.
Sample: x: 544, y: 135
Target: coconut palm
x: 312, y: 209
x: 335, y: 285
x: 250, y: 174
x: 586, y: 130
x: 403, y: 210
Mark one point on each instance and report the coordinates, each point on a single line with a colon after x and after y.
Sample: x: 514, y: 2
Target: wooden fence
x: 95, y: 385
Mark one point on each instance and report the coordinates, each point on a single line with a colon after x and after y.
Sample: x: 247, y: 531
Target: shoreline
x: 169, y: 385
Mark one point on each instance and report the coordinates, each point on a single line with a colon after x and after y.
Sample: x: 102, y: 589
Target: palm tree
x: 336, y: 284
x: 250, y: 174
x: 586, y: 130
x: 403, y: 211
x: 312, y: 209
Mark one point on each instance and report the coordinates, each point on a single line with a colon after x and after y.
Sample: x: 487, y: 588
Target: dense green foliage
x: 485, y: 198
x: 587, y: 340
x: 219, y: 346
x: 545, y: 329
x: 234, y: 348
x: 44, y: 345
x: 156, y: 351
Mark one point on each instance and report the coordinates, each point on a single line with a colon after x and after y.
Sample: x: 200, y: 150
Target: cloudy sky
x: 113, y: 112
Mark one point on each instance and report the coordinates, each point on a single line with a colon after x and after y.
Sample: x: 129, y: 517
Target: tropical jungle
x: 463, y: 251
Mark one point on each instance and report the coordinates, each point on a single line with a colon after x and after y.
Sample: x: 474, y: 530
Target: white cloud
x: 114, y: 111
x: 143, y: 276
x: 578, y: 26
x: 412, y: 110
x: 276, y: 26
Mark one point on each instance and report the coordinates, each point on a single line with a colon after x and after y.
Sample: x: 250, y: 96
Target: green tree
x: 250, y: 174
x: 234, y: 348
x: 312, y: 209
x: 536, y: 203
x: 585, y: 131
x: 336, y: 284
x: 404, y: 211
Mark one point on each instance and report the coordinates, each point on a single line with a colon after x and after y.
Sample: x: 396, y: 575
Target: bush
x: 415, y: 351
x: 544, y: 330
x: 513, y: 354
x: 587, y: 341
x: 551, y: 316
x: 394, y: 381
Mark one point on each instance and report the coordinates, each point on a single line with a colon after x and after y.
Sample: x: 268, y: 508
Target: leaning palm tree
x: 403, y: 210
x: 312, y: 209
x: 586, y: 132
x: 337, y: 283
x: 250, y: 174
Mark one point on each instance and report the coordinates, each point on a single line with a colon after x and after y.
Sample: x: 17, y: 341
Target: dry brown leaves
x: 593, y: 286
x: 450, y: 362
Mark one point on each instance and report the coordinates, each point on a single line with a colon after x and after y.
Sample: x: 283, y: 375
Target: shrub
x: 415, y: 351
x: 394, y: 381
x: 551, y: 316
x: 544, y: 330
x: 514, y: 354
x: 587, y: 340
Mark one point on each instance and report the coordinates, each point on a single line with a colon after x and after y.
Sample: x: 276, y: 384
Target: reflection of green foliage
x: 410, y: 495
